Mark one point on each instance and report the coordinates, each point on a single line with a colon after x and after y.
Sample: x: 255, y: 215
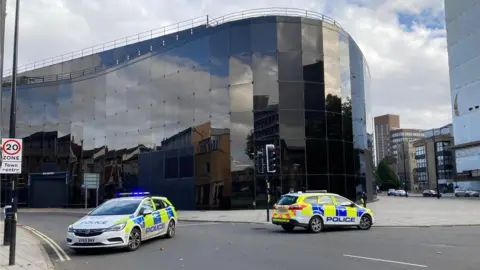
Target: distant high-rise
x: 402, y: 135
x: 383, y: 125
x: 464, y: 63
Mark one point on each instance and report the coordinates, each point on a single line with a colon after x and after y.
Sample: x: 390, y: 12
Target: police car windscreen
x: 287, y: 200
x: 116, y: 207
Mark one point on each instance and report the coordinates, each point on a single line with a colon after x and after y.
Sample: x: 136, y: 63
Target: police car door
x: 160, y: 216
x: 328, y: 210
x: 346, y: 211
x: 146, y: 210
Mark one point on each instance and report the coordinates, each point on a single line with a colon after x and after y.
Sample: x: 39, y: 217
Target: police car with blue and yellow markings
x: 124, y: 222
x: 314, y: 210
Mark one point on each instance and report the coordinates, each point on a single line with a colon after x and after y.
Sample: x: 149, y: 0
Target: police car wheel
x: 134, y: 240
x: 288, y: 227
x: 170, y: 229
x: 365, y: 222
x: 316, y: 224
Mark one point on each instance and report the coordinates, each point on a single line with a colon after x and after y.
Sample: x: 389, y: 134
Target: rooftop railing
x: 273, y: 11
x: 155, y: 33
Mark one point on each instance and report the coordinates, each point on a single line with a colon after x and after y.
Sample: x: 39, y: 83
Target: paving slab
x: 389, y: 212
x: 30, y: 253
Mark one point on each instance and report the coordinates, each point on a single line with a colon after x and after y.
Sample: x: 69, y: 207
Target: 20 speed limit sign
x: 11, y: 156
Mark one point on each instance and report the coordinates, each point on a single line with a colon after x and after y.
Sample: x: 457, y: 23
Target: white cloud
x: 408, y: 67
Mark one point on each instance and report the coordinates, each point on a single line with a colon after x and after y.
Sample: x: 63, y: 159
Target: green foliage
x: 250, y: 147
x: 386, y: 177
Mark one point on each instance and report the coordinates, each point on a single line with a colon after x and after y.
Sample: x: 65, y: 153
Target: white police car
x: 124, y: 222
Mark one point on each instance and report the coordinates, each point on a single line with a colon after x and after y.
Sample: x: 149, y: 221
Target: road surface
x: 206, y: 246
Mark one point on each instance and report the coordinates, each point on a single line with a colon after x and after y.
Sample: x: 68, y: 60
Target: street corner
x: 30, y: 252
x: 50, y: 247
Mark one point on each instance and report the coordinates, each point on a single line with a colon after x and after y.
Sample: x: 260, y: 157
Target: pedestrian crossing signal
x: 272, y: 156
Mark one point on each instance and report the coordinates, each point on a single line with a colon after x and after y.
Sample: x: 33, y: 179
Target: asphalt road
x: 203, y: 246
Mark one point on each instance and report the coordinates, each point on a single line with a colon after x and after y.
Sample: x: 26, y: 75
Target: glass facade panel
x: 186, y: 117
x: 463, y: 38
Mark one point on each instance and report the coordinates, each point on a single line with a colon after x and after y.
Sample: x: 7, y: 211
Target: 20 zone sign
x: 11, y: 156
x: 11, y: 147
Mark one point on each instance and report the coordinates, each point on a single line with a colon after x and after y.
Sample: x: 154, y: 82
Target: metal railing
x: 152, y: 34
x: 273, y: 11
x: 120, y: 42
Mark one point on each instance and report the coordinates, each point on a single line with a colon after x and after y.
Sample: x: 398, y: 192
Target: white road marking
x: 62, y: 255
x: 387, y: 261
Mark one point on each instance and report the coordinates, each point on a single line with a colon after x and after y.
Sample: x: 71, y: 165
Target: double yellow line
x: 62, y: 255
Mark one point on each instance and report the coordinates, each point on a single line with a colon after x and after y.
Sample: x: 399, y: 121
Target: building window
x: 420, y: 150
x: 421, y: 163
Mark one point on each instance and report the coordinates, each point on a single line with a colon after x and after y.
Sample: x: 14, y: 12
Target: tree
x: 386, y: 177
x: 250, y: 146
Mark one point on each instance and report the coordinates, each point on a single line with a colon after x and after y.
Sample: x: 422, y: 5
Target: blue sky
x: 427, y: 18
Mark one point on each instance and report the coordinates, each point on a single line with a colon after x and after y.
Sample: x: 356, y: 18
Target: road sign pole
x: 96, y: 205
x: 13, y: 117
x: 268, y: 198
x: 86, y: 195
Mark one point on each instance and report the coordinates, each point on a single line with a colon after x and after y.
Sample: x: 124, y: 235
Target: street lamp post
x: 12, y: 216
x: 3, y: 17
x: 404, y: 169
x: 436, y: 163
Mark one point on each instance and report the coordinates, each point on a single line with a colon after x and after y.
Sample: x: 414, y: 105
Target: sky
x: 404, y: 41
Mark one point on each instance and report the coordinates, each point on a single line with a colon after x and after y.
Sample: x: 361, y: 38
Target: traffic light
x: 260, y: 162
x: 271, y: 153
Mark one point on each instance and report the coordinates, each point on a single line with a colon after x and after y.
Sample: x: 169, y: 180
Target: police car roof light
x: 133, y: 194
x: 316, y: 191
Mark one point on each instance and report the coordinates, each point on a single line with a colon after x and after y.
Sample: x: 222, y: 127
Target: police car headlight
x: 70, y: 229
x: 117, y: 227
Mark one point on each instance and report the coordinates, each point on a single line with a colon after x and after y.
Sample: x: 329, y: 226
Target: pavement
x: 30, y: 253
x: 389, y: 212
x: 239, y: 246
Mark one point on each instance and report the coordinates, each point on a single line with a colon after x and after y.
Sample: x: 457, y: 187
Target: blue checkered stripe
x: 156, y: 217
x: 341, y: 211
x: 360, y: 212
x: 318, y: 209
x: 140, y: 221
x: 170, y: 212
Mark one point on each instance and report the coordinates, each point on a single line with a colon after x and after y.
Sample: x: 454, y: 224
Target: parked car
x: 430, y: 193
x: 400, y: 192
x: 472, y: 193
x: 461, y: 192
x: 391, y: 192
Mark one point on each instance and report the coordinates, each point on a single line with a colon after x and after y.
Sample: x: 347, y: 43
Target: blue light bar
x: 133, y: 194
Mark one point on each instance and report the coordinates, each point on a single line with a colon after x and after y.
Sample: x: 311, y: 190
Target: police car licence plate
x: 86, y: 240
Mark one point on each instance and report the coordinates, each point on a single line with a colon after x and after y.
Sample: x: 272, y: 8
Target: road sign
x: 11, y: 156
x: 91, y: 180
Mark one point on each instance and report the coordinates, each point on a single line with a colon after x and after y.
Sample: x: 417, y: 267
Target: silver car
x: 472, y: 193
x: 460, y: 192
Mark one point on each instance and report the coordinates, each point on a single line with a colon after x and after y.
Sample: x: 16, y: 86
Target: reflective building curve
x: 182, y: 115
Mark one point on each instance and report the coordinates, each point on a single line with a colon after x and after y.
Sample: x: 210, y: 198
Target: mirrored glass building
x: 463, y: 39
x: 182, y: 112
